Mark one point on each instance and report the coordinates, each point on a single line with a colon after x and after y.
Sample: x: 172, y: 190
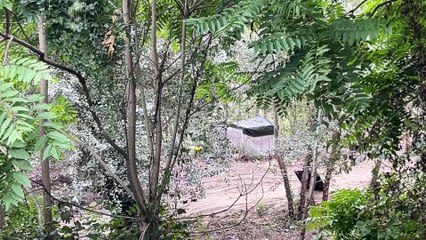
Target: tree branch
x: 379, y: 6
x: 105, y: 166
x: 82, y: 81
x: 7, y: 13
x: 351, y: 12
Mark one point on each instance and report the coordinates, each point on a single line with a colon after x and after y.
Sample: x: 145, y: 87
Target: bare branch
x: 105, y: 166
x: 20, y: 26
x: 6, y: 51
x: 247, y: 209
x: 7, y: 13
x: 351, y: 12
x: 242, y: 194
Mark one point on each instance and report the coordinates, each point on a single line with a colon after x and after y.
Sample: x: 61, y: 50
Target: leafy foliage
x: 339, y: 215
x: 20, y: 118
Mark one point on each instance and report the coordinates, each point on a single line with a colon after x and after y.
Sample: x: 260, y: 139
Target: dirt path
x: 264, y: 183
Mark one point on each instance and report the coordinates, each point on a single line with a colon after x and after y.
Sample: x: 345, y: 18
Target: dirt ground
x: 264, y: 183
x: 266, y: 200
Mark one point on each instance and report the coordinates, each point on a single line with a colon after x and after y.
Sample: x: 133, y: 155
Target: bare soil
x: 265, y: 202
x: 263, y: 182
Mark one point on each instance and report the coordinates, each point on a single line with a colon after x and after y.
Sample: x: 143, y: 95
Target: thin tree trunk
x: 375, y: 173
x: 304, y: 185
x: 312, y: 182
x: 155, y: 166
x: 45, y: 168
x: 287, y: 186
x: 131, y: 166
x: 2, y: 218
x: 335, y: 156
x: 138, y: 73
x: 180, y: 83
x: 283, y: 167
x: 327, y: 180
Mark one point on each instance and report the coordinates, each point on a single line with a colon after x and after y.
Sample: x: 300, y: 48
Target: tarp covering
x: 253, y: 137
x: 255, y: 127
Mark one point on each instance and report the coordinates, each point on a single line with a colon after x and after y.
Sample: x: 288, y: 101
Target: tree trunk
x: 2, y: 218
x: 180, y: 83
x: 375, y: 173
x: 155, y: 165
x: 131, y: 166
x: 304, y: 185
x: 335, y: 156
x: 327, y: 180
x: 307, y: 200
x: 287, y: 186
x: 45, y: 168
x: 283, y: 167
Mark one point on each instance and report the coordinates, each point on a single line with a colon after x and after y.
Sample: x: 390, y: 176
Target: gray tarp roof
x: 255, y: 127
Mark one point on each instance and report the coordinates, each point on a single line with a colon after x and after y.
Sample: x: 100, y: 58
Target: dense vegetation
x: 127, y: 88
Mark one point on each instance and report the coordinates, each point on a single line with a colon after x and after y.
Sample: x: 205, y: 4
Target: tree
x: 45, y: 169
x: 160, y: 74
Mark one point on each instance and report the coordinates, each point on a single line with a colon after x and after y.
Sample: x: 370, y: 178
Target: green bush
x: 395, y: 210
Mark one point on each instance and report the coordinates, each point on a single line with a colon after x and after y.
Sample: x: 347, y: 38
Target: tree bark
x: 335, y: 156
x: 312, y: 182
x: 180, y: 83
x: 375, y: 173
x: 287, y: 186
x: 283, y: 167
x: 327, y: 180
x: 156, y: 162
x: 304, y: 185
x: 2, y: 218
x: 45, y: 164
x: 131, y: 166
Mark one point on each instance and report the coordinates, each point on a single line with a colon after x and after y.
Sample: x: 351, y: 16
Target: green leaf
x: 17, y: 189
x: 19, y: 154
x: 22, y: 164
x: 35, y: 98
x: 53, y: 125
x: 55, y: 153
x: 47, y: 115
x: 5, y: 125
x: 41, y: 143
x: 57, y: 136
x: 22, y: 179
x: 14, y: 135
x: 47, y: 152
x: 5, y: 86
x: 6, y: 4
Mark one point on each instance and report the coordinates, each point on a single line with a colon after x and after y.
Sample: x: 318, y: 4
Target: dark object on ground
x: 180, y: 211
x: 319, y: 185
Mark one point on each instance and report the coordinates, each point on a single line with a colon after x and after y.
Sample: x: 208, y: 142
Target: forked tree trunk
x: 45, y: 168
x: 308, y: 200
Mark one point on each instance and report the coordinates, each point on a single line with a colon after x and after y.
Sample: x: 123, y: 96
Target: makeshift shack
x: 253, y: 137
